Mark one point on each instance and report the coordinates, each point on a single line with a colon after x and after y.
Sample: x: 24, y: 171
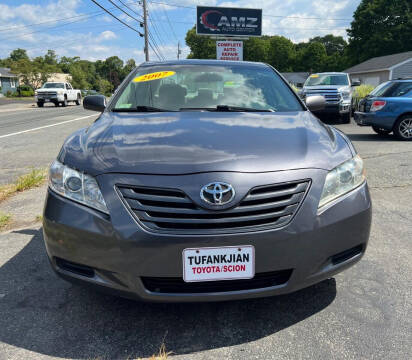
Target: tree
x: 311, y: 58
x: 32, y: 73
x: 78, y: 77
x: 18, y: 54
x: 104, y: 86
x: 255, y: 49
x: 130, y: 65
x: 201, y: 47
x: 333, y: 44
x: 282, y: 53
x: 380, y: 27
x: 50, y: 58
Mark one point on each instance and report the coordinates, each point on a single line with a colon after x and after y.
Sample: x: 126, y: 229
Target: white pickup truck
x: 57, y: 93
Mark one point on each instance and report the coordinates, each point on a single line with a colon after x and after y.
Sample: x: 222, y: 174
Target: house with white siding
x: 383, y: 68
x: 8, y: 81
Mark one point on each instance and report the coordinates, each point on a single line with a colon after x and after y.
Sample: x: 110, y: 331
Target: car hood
x: 327, y: 87
x: 191, y: 142
x: 48, y: 89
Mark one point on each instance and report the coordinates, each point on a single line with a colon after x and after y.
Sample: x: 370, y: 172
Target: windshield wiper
x: 227, y: 108
x: 240, y: 108
x: 140, y: 108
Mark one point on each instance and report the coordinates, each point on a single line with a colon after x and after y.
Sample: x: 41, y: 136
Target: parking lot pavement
x: 32, y: 137
x: 363, y: 313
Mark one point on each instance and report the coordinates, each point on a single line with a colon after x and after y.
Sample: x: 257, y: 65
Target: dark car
x: 205, y: 181
x: 388, y: 108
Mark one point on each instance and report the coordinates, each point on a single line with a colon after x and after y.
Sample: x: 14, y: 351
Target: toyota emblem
x: 217, y: 193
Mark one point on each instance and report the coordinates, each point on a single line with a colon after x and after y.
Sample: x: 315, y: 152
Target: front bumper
x: 49, y: 98
x: 117, y: 254
x: 337, y: 109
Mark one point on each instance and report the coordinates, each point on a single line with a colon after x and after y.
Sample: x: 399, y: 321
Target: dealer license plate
x: 219, y: 263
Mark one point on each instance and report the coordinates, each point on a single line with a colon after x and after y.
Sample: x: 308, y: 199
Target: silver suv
x: 336, y: 88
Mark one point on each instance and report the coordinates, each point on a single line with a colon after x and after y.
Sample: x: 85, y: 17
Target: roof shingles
x: 380, y: 63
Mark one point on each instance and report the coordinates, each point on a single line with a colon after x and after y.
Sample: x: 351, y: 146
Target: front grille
x: 171, y: 210
x: 331, y: 96
x: 47, y: 93
x: 172, y: 285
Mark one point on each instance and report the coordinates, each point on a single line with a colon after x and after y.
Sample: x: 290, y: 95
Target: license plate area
x: 218, y: 263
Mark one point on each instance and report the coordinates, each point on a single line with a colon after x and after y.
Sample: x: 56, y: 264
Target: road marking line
x: 45, y: 126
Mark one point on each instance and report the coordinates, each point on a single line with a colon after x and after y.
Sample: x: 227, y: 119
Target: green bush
x: 362, y: 91
x: 359, y: 93
x: 24, y: 88
x: 27, y: 93
x: 9, y: 93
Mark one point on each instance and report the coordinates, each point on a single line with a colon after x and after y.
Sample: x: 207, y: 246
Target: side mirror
x: 95, y: 103
x: 315, y: 103
x: 356, y: 83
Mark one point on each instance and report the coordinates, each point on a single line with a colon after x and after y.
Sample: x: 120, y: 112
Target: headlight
x: 343, y: 179
x: 76, y: 186
x: 35, y: 92
x: 60, y: 92
x: 345, y: 95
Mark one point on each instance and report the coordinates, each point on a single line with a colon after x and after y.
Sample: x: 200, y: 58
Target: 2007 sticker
x: 153, y: 76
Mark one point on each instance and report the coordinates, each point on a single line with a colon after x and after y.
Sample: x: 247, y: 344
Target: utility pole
x: 178, y: 50
x: 146, y: 34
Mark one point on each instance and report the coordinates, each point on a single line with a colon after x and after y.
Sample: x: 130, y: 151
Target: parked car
x: 336, y: 88
x: 388, y: 108
x: 57, y: 93
x: 86, y: 92
x: 205, y: 180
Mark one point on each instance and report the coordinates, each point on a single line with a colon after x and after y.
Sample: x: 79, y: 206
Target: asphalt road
x: 362, y: 313
x: 32, y: 137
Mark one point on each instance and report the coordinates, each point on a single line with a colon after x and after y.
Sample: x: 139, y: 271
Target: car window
x: 324, y: 79
x: 393, y: 89
x: 207, y: 86
x: 53, y: 85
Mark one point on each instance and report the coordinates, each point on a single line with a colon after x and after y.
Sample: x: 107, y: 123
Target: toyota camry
x: 205, y: 180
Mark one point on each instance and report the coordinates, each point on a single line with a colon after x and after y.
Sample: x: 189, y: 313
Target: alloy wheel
x: 405, y: 128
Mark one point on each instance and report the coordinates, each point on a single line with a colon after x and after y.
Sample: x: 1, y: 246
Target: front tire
x: 40, y: 104
x: 381, y: 131
x: 403, y: 128
x: 64, y: 103
x: 345, y: 118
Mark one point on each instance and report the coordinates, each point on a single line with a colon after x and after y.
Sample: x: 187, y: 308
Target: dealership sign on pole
x: 226, y: 22
x: 229, y: 50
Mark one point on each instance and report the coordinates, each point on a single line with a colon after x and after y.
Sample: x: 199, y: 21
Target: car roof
x: 204, y: 62
x: 331, y: 73
x: 402, y: 80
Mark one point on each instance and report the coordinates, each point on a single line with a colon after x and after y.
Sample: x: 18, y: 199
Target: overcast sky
x: 81, y: 28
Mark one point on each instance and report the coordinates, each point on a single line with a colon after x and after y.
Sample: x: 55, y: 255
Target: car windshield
x: 206, y: 87
x: 325, y: 79
x: 53, y: 85
x: 393, y: 89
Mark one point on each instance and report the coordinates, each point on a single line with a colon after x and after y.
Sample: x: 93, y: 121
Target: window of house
x: 12, y: 82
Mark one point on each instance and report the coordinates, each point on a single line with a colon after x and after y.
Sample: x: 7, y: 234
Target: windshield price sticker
x: 314, y: 76
x: 221, y: 263
x: 153, y: 76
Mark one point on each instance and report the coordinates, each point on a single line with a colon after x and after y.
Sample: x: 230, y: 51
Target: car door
x: 70, y: 92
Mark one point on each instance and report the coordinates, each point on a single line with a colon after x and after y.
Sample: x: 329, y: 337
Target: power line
x: 152, y: 21
x: 91, y: 14
x: 268, y: 15
x: 117, y: 18
x: 132, y: 17
x: 49, y: 28
x: 168, y: 20
x: 133, y: 11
